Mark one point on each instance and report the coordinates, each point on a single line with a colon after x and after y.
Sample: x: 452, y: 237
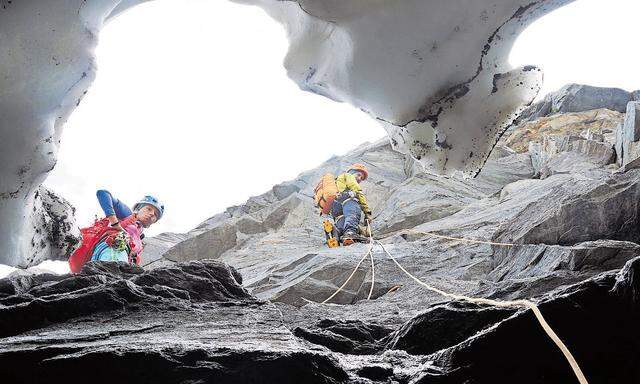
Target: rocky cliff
x: 237, y: 299
x: 434, y: 73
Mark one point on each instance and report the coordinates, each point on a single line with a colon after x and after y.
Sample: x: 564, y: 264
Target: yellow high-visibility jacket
x: 348, y: 181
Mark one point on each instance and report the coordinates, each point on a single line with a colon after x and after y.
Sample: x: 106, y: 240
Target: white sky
x: 197, y: 88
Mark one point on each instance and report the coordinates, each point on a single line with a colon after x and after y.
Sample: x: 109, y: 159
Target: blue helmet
x: 152, y: 201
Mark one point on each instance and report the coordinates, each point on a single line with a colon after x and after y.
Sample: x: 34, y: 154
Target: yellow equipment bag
x: 325, y: 192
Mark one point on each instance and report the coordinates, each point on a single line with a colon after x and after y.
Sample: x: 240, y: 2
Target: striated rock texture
x: 434, y: 73
x: 193, y: 322
x: 577, y: 98
x: 236, y: 299
x: 114, y: 322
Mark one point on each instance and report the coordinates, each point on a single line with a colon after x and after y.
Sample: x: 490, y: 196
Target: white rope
x: 373, y: 267
x: 373, y: 276
x: 368, y: 254
x: 503, y: 304
x: 463, y: 240
x: 517, y: 303
x: 350, y: 276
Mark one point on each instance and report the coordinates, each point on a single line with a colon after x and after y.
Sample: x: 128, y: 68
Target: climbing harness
x: 502, y: 304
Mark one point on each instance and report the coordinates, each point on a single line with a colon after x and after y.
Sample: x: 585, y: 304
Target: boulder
x: 578, y: 98
x: 54, y: 232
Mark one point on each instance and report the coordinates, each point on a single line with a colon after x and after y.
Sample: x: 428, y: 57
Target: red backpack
x: 91, y: 236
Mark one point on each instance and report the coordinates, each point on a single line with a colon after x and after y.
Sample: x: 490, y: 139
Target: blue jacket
x: 112, y: 206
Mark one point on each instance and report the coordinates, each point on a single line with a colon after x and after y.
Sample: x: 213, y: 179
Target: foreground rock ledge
x: 194, y: 322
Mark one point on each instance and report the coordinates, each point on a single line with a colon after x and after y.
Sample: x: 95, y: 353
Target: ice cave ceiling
x: 434, y: 72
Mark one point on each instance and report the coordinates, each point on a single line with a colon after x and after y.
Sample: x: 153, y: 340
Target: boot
x: 351, y: 236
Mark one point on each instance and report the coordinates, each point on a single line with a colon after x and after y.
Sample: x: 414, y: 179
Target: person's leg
x: 352, y: 214
x: 337, y: 214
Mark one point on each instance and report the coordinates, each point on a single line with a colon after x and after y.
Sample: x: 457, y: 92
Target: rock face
x: 54, y: 232
x: 190, y: 304
x: 195, y: 323
x: 436, y: 76
x: 577, y: 98
x: 628, y: 137
x: 566, y: 143
x: 610, y: 300
x: 237, y: 299
x: 601, y: 123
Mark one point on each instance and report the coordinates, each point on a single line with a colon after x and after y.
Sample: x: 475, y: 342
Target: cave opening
x: 205, y: 100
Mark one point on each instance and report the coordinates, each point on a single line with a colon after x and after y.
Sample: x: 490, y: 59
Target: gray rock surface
x: 628, y: 137
x: 241, y: 293
x: 193, y: 322
x: 569, y: 154
x: 437, y: 77
x: 577, y: 98
x: 54, y: 232
x: 277, y: 243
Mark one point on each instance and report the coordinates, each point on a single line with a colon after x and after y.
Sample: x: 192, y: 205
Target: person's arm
x: 114, y: 209
x: 353, y: 185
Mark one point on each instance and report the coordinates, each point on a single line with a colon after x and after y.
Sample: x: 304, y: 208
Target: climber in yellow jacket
x: 350, y: 203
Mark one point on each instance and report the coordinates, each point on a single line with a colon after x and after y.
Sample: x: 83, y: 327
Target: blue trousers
x: 346, y: 212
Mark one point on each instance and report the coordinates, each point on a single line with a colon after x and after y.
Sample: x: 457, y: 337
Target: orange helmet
x: 360, y: 168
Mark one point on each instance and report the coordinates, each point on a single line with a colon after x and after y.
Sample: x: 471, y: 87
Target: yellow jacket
x: 348, y: 181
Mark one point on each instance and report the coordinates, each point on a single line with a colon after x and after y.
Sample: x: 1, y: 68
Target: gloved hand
x: 368, y: 218
x: 115, y: 223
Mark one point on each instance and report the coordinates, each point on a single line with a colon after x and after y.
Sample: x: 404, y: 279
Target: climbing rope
x: 463, y: 239
x: 369, y: 251
x: 373, y: 267
x: 502, y: 304
x: 517, y: 303
x: 353, y: 273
